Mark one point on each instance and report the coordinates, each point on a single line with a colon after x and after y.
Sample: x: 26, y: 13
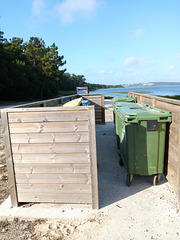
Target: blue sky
x: 108, y: 41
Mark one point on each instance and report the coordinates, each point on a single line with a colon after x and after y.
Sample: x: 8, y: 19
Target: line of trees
x: 31, y: 70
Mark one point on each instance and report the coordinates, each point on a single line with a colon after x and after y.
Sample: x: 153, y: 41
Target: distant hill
x: 93, y: 86
x: 150, y: 84
x: 165, y: 83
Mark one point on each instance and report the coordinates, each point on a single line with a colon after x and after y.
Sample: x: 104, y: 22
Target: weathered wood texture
x: 173, y: 164
x: 95, y: 99
x: 98, y: 101
x: 51, y: 154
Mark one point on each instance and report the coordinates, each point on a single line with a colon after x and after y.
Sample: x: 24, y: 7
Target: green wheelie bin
x: 115, y: 102
x: 142, y: 134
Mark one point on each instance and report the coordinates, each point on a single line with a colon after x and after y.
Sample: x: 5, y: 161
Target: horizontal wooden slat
x: 51, y: 168
x: 98, y: 112
x: 173, y: 161
x: 93, y: 98
x: 99, y: 115
x: 50, y: 148
x: 168, y: 107
x: 175, y: 118
x: 54, y: 188
x: 174, y: 127
x: 48, y: 127
x: 174, y: 148
x: 172, y: 178
x: 148, y: 101
x: 52, y: 158
x: 98, y: 108
x: 53, y: 178
x: 50, y: 137
x: 58, y: 116
x: 174, y: 138
x: 56, y: 198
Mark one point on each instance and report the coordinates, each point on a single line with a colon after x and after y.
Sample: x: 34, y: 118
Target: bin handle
x: 165, y: 119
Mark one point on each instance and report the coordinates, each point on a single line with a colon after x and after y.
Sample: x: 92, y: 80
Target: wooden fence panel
x: 173, y: 163
x: 98, y: 101
x: 52, y: 154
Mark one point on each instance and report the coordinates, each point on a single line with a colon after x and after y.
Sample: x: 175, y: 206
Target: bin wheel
x: 156, y: 179
x: 129, y: 179
x: 120, y: 161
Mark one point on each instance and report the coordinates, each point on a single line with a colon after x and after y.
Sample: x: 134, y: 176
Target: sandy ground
x: 141, y: 211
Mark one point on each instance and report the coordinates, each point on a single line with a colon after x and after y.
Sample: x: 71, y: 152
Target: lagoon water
x: 169, y: 90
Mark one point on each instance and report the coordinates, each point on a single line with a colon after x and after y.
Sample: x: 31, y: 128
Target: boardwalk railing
x: 173, y: 146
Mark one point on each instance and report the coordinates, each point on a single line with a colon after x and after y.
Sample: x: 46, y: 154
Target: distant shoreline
x: 150, y: 84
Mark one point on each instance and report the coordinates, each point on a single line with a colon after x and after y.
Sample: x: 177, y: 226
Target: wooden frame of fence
x: 173, y: 154
x: 98, y: 101
x: 51, y: 154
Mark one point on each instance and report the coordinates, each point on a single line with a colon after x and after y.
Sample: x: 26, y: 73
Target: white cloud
x: 139, y: 32
x: 107, y: 72
x: 37, y: 6
x: 171, y: 66
x: 67, y: 10
x: 70, y: 9
x: 133, y: 62
x: 101, y: 72
x: 111, y: 72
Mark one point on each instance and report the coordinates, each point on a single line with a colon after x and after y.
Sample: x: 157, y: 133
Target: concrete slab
x: 44, y: 211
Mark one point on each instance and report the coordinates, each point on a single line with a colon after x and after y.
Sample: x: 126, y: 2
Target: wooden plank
x: 50, y: 137
x: 174, y: 138
x: 173, y: 161
x: 52, y: 158
x: 74, y: 178
x: 160, y: 99
x: 9, y: 159
x: 51, y: 168
x: 93, y: 155
x: 102, y: 109
x: 56, y: 198
x: 172, y: 178
x: 168, y: 107
x: 48, y: 127
x: 93, y: 97
x: 45, y: 102
x: 50, y: 148
x: 56, y: 116
x: 45, y: 109
x: 174, y: 127
x: 98, y: 111
x: 148, y: 101
x: 175, y: 118
x: 54, y: 188
x: 174, y: 148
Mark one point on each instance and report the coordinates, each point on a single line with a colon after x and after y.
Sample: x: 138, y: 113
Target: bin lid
x: 123, y: 99
x: 120, y: 104
x: 73, y: 103
x: 135, y: 112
